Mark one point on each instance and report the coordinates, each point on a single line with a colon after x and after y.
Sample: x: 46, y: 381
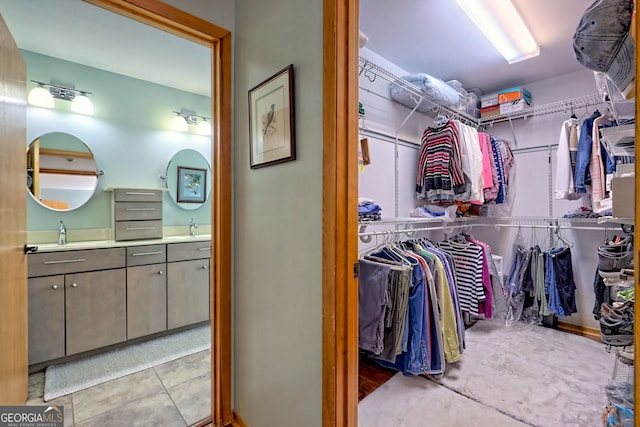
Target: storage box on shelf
x: 513, y: 94
x: 623, y: 196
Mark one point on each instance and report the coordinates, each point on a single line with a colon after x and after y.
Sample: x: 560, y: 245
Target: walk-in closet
x: 496, y: 217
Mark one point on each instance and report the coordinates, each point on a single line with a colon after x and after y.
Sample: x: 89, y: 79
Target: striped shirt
x: 467, y: 260
x: 439, y: 161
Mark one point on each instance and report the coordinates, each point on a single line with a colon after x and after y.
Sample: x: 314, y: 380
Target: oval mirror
x: 62, y: 173
x: 188, y: 178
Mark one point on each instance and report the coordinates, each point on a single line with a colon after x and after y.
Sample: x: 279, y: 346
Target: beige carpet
x: 508, y: 376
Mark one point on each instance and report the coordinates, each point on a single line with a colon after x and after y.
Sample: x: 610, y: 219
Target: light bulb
x: 40, y: 97
x: 82, y: 105
x: 179, y: 124
x: 204, y: 127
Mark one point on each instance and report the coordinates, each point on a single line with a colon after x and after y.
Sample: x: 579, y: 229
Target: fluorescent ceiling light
x: 500, y: 22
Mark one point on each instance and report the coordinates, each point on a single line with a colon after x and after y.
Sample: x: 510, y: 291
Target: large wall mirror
x: 188, y: 178
x: 62, y: 172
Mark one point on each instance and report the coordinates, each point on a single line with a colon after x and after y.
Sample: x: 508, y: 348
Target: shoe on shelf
x: 617, y: 310
x: 616, y: 332
x: 627, y: 355
x: 628, y: 294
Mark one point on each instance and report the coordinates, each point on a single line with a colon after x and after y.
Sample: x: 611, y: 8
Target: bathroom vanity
x: 90, y: 295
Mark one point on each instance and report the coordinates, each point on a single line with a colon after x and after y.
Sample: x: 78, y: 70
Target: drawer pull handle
x: 74, y: 285
x: 140, y: 209
x: 161, y: 272
x: 204, y: 249
x: 54, y: 287
x: 147, y: 253
x: 140, y: 193
x: 204, y: 267
x: 140, y: 228
x: 64, y: 261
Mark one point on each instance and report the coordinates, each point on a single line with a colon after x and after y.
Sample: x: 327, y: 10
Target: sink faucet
x: 192, y: 228
x: 62, y: 234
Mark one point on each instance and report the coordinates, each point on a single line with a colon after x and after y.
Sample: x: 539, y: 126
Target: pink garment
x: 491, y: 193
x: 485, y: 147
x: 486, y: 306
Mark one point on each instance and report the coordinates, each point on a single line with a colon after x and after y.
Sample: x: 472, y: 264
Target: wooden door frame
x: 339, y: 230
x: 340, y: 220
x: 180, y: 23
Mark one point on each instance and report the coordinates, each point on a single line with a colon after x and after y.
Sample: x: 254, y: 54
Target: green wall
x: 130, y: 135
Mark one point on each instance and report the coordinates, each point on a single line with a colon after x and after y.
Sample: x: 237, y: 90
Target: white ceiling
x: 433, y: 37
x: 436, y: 37
x: 86, y: 34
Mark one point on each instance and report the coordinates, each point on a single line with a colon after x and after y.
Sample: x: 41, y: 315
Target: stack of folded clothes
x: 369, y: 210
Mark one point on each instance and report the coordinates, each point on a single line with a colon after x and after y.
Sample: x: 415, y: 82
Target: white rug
x: 83, y: 373
x: 520, y: 374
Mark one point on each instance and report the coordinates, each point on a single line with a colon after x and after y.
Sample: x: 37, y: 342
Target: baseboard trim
x: 594, y: 334
x: 238, y: 421
x: 204, y: 423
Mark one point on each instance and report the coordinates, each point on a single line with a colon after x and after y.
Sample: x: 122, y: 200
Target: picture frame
x: 272, y: 120
x: 192, y: 185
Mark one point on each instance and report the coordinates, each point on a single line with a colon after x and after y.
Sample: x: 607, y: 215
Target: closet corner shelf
x: 617, y: 220
x: 368, y: 72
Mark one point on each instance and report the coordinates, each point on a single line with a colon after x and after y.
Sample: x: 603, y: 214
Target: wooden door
x: 13, y: 223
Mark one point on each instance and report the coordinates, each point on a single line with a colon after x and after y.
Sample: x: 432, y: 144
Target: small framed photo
x: 271, y: 120
x: 192, y: 185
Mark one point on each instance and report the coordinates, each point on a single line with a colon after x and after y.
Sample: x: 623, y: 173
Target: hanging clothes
x: 439, y: 166
x: 566, y: 156
x: 468, y: 263
x: 582, y: 176
x: 559, y: 282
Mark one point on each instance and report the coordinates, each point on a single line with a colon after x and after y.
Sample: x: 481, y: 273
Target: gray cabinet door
x: 187, y: 292
x: 46, y: 318
x: 146, y: 300
x: 95, y: 305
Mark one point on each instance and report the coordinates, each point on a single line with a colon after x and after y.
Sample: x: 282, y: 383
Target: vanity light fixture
x: 204, y: 127
x: 501, y: 23
x: 184, y: 118
x: 41, y: 97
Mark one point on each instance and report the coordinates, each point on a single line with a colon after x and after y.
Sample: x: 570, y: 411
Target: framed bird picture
x: 271, y: 120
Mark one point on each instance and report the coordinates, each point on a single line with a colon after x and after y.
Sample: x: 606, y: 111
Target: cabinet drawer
x: 137, y: 195
x: 135, y: 211
x: 50, y: 263
x: 186, y: 251
x: 136, y: 230
x: 148, y: 254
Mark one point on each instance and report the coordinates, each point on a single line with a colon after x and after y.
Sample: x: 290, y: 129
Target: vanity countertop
x: 98, y: 244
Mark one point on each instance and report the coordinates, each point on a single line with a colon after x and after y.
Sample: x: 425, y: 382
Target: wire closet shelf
x: 370, y: 72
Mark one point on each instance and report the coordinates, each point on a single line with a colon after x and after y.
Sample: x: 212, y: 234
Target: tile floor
x: 176, y: 393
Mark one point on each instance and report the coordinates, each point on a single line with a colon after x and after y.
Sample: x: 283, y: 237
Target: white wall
x: 530, y: 185
x: 278, y: 225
